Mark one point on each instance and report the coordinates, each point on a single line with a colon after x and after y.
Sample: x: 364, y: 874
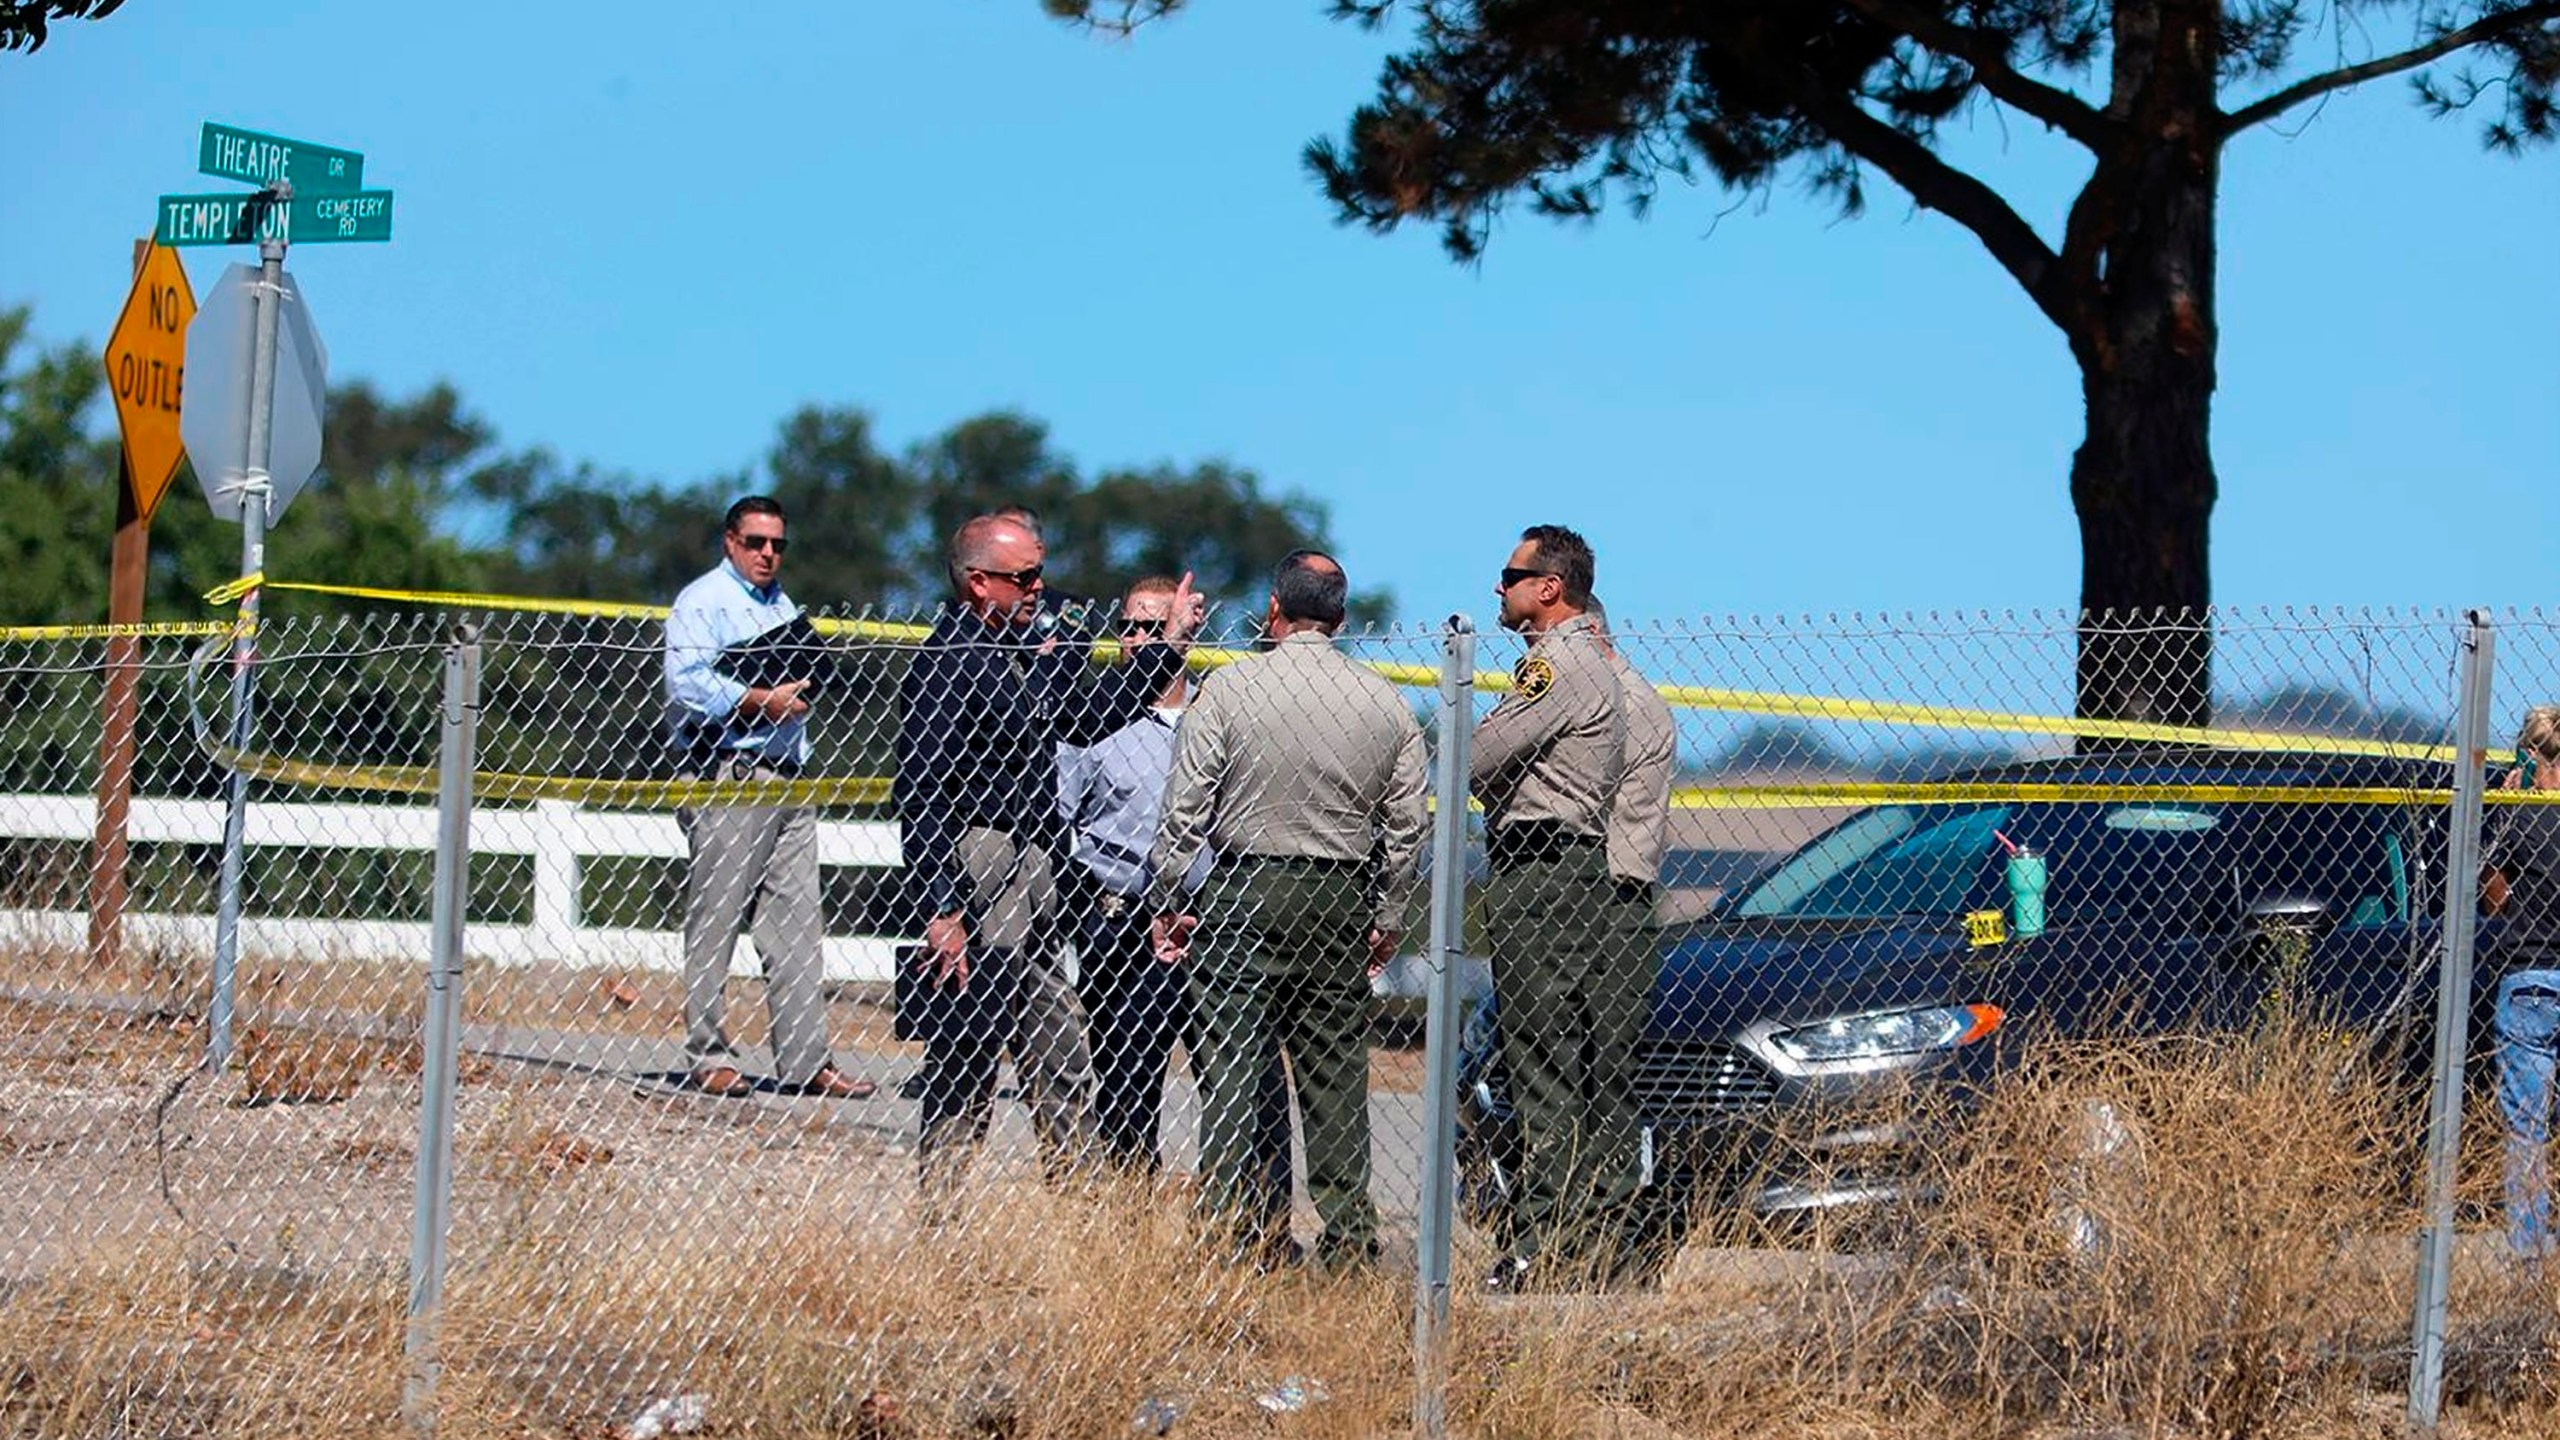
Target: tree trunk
x: 2143, y: 486
x: 2142, y: 482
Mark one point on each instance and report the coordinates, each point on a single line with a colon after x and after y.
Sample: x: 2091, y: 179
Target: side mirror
x: 2289, y: 915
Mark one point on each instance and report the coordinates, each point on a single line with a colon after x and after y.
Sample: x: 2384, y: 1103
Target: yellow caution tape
x: 1949, y: 717
x: 142, y: 630
x: 1693, y: 697
x: 230, y: 591
x: 1860, y: 792
x: 503, y: 785
x: 874, y: 790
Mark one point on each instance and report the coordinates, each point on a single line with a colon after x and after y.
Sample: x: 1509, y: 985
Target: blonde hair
x: 2541, y: 733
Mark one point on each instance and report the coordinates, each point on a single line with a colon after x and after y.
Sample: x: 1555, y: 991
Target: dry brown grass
x: 2233, y: 1260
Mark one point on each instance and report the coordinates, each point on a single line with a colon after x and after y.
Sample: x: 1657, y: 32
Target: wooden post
x: 128, y: 568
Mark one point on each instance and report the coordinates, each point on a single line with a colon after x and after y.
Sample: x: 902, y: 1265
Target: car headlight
x: 1883, y: 1033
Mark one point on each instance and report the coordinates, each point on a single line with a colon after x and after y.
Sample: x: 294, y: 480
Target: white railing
x: 557, y: 835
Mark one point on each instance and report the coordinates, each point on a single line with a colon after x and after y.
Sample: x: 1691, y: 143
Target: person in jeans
x: 2522, y: 879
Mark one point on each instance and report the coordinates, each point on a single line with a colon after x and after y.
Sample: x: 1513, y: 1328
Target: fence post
x: 555, y: 880
x: 2453, y: 1024
x: 1442, y: 1027
x: 432, y: 1214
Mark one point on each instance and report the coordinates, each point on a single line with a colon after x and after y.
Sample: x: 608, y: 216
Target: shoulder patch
x: 1533, y: 677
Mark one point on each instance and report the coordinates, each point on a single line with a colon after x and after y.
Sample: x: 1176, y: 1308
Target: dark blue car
x: 1888, y: 950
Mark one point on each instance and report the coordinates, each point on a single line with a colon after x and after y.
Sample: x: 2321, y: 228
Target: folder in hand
x: 792, y: 650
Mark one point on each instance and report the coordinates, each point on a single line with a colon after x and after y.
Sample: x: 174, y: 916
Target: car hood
x: 1721, y: 976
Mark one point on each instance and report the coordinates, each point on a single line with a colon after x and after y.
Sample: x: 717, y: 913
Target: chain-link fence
x: 1977, y: 1055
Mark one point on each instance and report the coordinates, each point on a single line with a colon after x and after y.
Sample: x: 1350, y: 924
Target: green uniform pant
x: 1572, y: 1001
x: 1280, y: 965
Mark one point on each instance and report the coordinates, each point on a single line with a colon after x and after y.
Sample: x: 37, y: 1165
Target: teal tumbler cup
x: 2026, y: 894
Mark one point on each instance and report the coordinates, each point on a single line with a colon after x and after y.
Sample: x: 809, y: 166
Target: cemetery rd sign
x: 235, y: 219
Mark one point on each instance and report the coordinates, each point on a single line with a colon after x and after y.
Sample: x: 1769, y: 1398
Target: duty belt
x: 1321, y: 864
x: 1525, y: 842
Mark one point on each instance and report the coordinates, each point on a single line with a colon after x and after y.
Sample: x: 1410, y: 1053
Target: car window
x: 2348, y: 857
x: 2144, y: 865
x: 2197, y: 868
x: 1889, y: 861
x: 2181, y: 868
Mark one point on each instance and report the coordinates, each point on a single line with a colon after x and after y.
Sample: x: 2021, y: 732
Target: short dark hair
x: 1565, y: 555
x: 1309, y: 587
x: 753, y: 505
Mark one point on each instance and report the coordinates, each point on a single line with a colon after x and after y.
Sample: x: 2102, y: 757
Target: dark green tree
x: 1213, y: 520
x: 576, y: 531
x: 379, y: 511
x: 982, y: 464
x: 414, y: 494
x: 855, y: 512
x: 1560, y: 104
x: 57, y: 482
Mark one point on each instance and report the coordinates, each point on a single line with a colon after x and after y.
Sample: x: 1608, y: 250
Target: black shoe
x: 1346, y: 1259
x: 1272, y: 1257
x: 1509, y: 1276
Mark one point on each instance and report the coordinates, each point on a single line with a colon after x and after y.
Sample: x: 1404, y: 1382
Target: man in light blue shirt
x: 1110, y: 794
x: 754, y: 863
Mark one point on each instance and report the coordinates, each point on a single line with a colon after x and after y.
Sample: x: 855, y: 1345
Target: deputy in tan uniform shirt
x: 1637, y: 820
x: 1304, y: 774
x: 1547, y: 766
x: 1642, y: 809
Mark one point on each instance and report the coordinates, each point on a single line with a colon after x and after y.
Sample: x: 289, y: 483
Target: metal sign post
x: 235, y: 442
x: 254, y: 492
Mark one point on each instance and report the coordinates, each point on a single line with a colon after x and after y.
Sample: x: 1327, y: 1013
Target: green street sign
x: 248, y: 219
x: 266, y: 160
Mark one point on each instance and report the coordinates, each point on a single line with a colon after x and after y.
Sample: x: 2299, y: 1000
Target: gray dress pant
x: 755, y: 864
x: 1023, y: 1003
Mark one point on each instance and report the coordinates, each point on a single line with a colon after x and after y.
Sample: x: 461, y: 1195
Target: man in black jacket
x: 1000, y: 682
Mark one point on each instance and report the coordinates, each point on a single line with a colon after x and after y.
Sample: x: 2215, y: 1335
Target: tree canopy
x: 417, y: 493
x: 1564, y: 105
x: 25, y: 24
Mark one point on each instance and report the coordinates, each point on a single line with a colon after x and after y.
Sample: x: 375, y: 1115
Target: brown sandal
x: 833, y: 1084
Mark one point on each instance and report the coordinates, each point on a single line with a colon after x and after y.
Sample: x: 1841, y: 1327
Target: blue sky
x: 641, y: 234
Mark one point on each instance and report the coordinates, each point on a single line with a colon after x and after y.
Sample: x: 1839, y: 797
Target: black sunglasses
x: 1513, y: 575
x: 774, y: 543
x: 1141, y: 625
x: 1022, y: 579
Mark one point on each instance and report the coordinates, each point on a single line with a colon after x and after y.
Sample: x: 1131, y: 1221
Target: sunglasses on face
x: 1022, y: 579
x: 1141, y: 625
x: 774, y: 543
x: 1513, y: 575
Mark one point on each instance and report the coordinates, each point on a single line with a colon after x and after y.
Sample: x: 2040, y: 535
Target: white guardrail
x: 557, y: 834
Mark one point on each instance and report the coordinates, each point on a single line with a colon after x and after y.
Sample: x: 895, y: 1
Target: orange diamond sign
x: 146, y: 368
